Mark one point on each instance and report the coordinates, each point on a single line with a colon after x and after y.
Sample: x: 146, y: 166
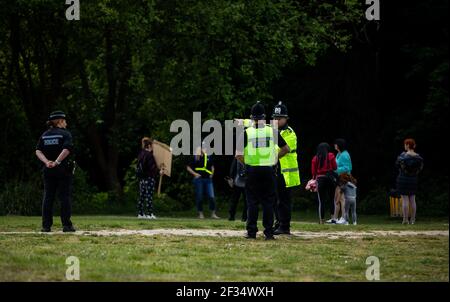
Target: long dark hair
x: 322, y: 153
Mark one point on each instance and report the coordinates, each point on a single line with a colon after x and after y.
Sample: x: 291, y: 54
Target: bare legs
x: 339, y: 203
x: 412, y: 204
x: 409, y: 201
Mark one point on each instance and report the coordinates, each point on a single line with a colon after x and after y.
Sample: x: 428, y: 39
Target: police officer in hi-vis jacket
x: 256, y: 148
x: 288, y: 175
x: 53, y: 149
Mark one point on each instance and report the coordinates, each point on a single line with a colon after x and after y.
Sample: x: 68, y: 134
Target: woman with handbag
x: 322, y: 168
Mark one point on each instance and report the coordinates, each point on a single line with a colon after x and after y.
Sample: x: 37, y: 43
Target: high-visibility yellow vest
x: 288, y: 163
x: 204, y: 168
x: 260, y: 149
x: 247, y: 123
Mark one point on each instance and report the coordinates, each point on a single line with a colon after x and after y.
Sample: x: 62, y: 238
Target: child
x: 347, y: 183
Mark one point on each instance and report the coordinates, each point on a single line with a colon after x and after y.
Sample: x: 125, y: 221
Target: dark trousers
x: 60, y: 184
x: 260, y: 188
x: 204, y: 186
x: 236, y: 195
x: 326, y: 190
x: 283, y: 206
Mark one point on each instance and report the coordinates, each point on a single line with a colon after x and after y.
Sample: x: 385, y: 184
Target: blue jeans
x: 204, y: 186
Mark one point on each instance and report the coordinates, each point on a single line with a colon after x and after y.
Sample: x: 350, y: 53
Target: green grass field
x: 41, y: 257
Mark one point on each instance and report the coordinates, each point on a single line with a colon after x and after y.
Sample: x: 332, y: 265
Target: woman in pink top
x: 322, y: 166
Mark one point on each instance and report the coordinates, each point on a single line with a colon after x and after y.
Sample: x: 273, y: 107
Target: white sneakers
x: 213, y: 215
x: 150, y: 217
x: 344, y: 222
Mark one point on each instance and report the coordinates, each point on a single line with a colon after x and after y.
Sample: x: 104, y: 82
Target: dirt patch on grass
x: 239, y: 233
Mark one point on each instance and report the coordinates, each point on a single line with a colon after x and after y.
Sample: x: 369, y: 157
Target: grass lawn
x: 40, y: 257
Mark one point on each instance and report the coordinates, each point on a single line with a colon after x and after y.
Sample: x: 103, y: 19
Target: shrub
x: 21, y: 198
x: 375, y: 202
x: 84, y: 199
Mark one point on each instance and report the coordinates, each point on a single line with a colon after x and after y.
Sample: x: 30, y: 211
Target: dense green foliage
x: 129, y: 68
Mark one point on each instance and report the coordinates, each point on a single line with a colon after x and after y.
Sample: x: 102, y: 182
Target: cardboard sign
x: 163, y: 156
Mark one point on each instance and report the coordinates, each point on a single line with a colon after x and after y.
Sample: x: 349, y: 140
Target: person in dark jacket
x: 409, y: 165
x: 54, y: 149
x: 148, y: 170
x: 322, y: 166
x: 236, y: 181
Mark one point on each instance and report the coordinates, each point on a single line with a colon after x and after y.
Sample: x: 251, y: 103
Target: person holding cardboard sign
x: 146, y: 171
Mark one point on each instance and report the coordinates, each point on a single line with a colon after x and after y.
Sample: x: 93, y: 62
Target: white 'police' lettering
x: 49, y: 142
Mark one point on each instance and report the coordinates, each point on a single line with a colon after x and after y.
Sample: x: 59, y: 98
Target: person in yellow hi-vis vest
x: 288, y: 175
x: 256, y: 149
x: 202, y: 169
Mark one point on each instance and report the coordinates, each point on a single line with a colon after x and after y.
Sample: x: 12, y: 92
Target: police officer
x: 256, y: 149
x: 288, y: 175
x: 53, y: 149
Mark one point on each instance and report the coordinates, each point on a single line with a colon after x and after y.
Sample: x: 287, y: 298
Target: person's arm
x: 67, y: 148
x: 240, y: 145
x: 345, y: 164
x: 313, y: 167
x: 333, y: 162
x: 64, y: 153
x: 42, y: 158
x: 283, y: 151
x: 195, y: 174
x: 233, y: 168
x: 399, y: 161
x: 284, y: 148
x: 350, y: 166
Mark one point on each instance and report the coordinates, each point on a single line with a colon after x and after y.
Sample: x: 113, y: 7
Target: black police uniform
x: 57, y: 179
x: 260, y: 187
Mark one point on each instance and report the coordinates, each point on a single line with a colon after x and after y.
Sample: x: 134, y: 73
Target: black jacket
x: 149, y: 167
